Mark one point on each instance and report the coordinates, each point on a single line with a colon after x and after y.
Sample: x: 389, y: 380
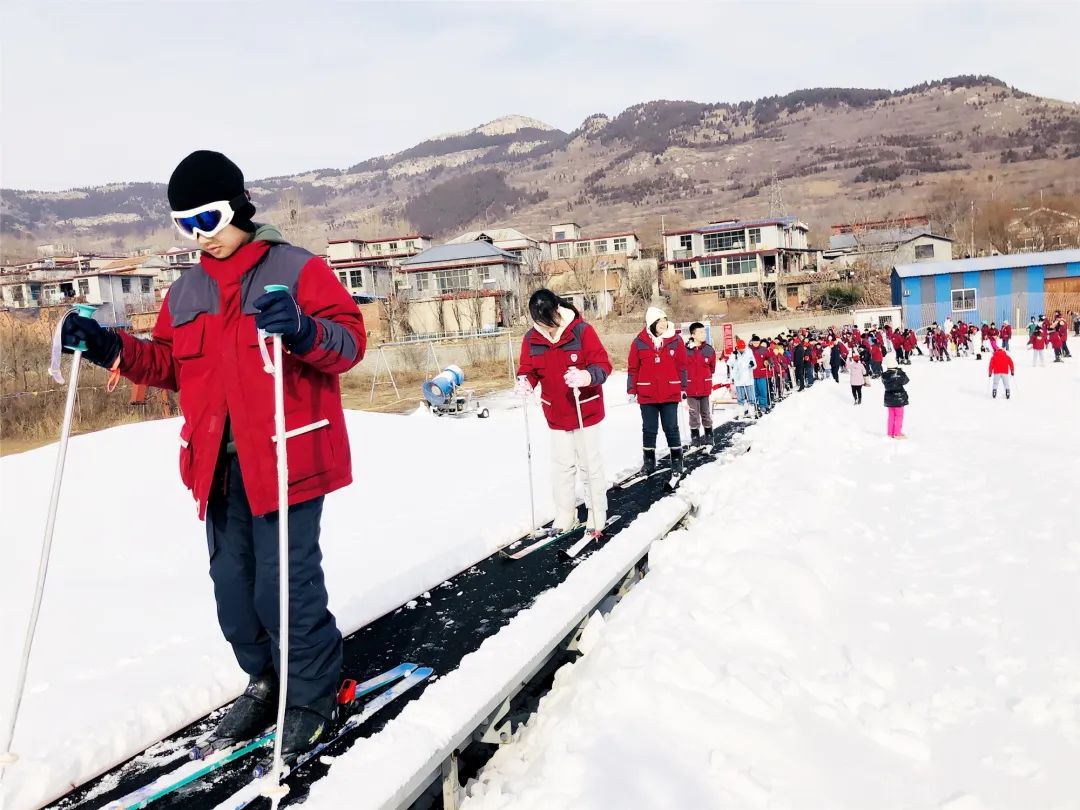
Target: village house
x: 366, y: 267
x: 464, y: 288
x: 1041, y: 228
x: 594, y: 271
x: 738, y: 259
x: 530, y: 251
x: 885, y: 243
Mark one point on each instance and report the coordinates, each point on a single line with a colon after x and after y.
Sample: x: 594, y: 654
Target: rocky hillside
x: 826, y: 154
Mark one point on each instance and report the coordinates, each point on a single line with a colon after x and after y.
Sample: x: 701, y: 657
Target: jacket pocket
x: 591, y: 405
x: 188, y: 340
x: 310, y: 450
x: 187, y: 456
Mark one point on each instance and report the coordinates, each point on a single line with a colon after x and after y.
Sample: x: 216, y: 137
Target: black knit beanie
x: 205, y: 177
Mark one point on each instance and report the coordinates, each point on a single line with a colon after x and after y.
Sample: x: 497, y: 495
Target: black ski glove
x: 102, y: 346
x: 279, y: 314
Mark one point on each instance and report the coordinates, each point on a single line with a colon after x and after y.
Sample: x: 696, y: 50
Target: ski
x: 203, y: 762
x: 575, y: 549
x: 539, y: 534
x: 629, y: 482
x: 539, y: 544
x: 263, y: 771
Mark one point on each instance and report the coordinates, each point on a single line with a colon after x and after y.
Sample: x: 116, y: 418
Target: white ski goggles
x: 207, y: 220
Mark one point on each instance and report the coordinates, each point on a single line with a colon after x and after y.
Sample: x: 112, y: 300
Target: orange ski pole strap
x: 114, y: 375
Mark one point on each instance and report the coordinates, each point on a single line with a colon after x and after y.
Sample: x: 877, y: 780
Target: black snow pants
x: 244, y: 568
x: 666, y: 413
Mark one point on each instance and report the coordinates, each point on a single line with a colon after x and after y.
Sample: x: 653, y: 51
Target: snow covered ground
x: 128, y: 648
x: 850, y: 622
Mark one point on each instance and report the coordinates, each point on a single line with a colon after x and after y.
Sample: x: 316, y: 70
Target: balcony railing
x: 678, y: 255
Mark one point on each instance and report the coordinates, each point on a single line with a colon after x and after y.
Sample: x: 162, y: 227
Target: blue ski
x: 264, y: 771
x: 202, y: 765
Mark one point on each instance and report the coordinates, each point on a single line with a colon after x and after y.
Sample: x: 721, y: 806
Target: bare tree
x: 950, y: 210
x: 396, y: 311
x: 639, y: 288
x: 992, y: 224
x: 586, y: 273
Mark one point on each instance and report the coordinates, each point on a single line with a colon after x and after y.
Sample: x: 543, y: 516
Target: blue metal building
x: 1011, y: 288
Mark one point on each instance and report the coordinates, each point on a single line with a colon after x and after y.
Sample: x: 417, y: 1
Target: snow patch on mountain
x: 414, y: 166
x: 506, y: 125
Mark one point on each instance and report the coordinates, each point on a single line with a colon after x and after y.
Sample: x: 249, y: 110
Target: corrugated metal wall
x: 1012, y: 294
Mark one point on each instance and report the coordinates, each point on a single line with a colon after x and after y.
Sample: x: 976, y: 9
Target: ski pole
x: 7, y: 756
x: 528, y: 459
x: 275, y: 791
x: 584, y: 453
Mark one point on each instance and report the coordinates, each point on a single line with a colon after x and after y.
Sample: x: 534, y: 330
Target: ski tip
x: 420, y: 673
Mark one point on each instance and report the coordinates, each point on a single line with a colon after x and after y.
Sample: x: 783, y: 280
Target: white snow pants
x: 1037, y: 355
x: 573, y: 450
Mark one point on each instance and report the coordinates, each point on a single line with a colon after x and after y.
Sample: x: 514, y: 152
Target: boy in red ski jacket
x: 205, y: 345
x: 1056, y: 343
x: 1001, y: 368
x: 700, y: 367
x: 1006, y: 335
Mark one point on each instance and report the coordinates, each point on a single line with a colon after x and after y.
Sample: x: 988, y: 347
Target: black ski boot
x: 695, y: 437
x: 1008, y: 394
x: 251, y: 713
x: 307, y: 726
x: 677, y: 468
x: 993, y: 394
x: 648, y: 465
x: 707, y: 439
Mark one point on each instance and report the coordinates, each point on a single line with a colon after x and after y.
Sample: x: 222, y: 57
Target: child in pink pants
x: 896, y: 398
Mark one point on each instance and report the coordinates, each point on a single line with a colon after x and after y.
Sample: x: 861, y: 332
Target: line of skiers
x: 965, y: 339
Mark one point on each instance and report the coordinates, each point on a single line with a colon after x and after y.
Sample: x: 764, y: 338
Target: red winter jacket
x: 700, y: 367
x: 910, y: 342
x: 657, y: 374
x: 1056, y: 341
x: 1037, y: 341
x: 205, y: 346
x: 1006, y: 332
x: 875, y: 354
x: 1001, y: 363
x: 545, y: 362
x: 762, y: 363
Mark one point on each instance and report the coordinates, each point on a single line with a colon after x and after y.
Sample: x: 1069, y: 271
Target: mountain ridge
x: 827, y: 149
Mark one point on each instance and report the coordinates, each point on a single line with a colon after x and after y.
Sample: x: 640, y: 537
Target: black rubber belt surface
x: 437, y: 632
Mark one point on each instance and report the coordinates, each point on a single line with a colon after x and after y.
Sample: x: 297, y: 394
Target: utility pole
x: 972, y: 253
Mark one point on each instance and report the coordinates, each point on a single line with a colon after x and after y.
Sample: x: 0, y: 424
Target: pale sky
x: 96, y: 92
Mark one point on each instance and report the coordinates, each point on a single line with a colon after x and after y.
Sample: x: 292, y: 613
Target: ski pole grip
x: 86, y: 311
x: 268, y: 364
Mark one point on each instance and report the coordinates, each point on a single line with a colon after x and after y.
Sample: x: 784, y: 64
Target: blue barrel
x: 440, y: 388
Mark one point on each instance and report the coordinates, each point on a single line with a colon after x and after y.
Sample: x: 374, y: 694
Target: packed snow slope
x: 128, y: 648
x: 850, y: 622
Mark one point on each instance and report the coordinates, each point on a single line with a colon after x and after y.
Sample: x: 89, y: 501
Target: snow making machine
x: 446, y: 397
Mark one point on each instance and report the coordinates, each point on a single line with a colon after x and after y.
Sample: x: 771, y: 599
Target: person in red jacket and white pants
x: 205, y: 345
x: 701, y: 366
x: 1001, y: 368
x: 656, y: 378
x: 1037, y: 342
x: 563, y: 355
